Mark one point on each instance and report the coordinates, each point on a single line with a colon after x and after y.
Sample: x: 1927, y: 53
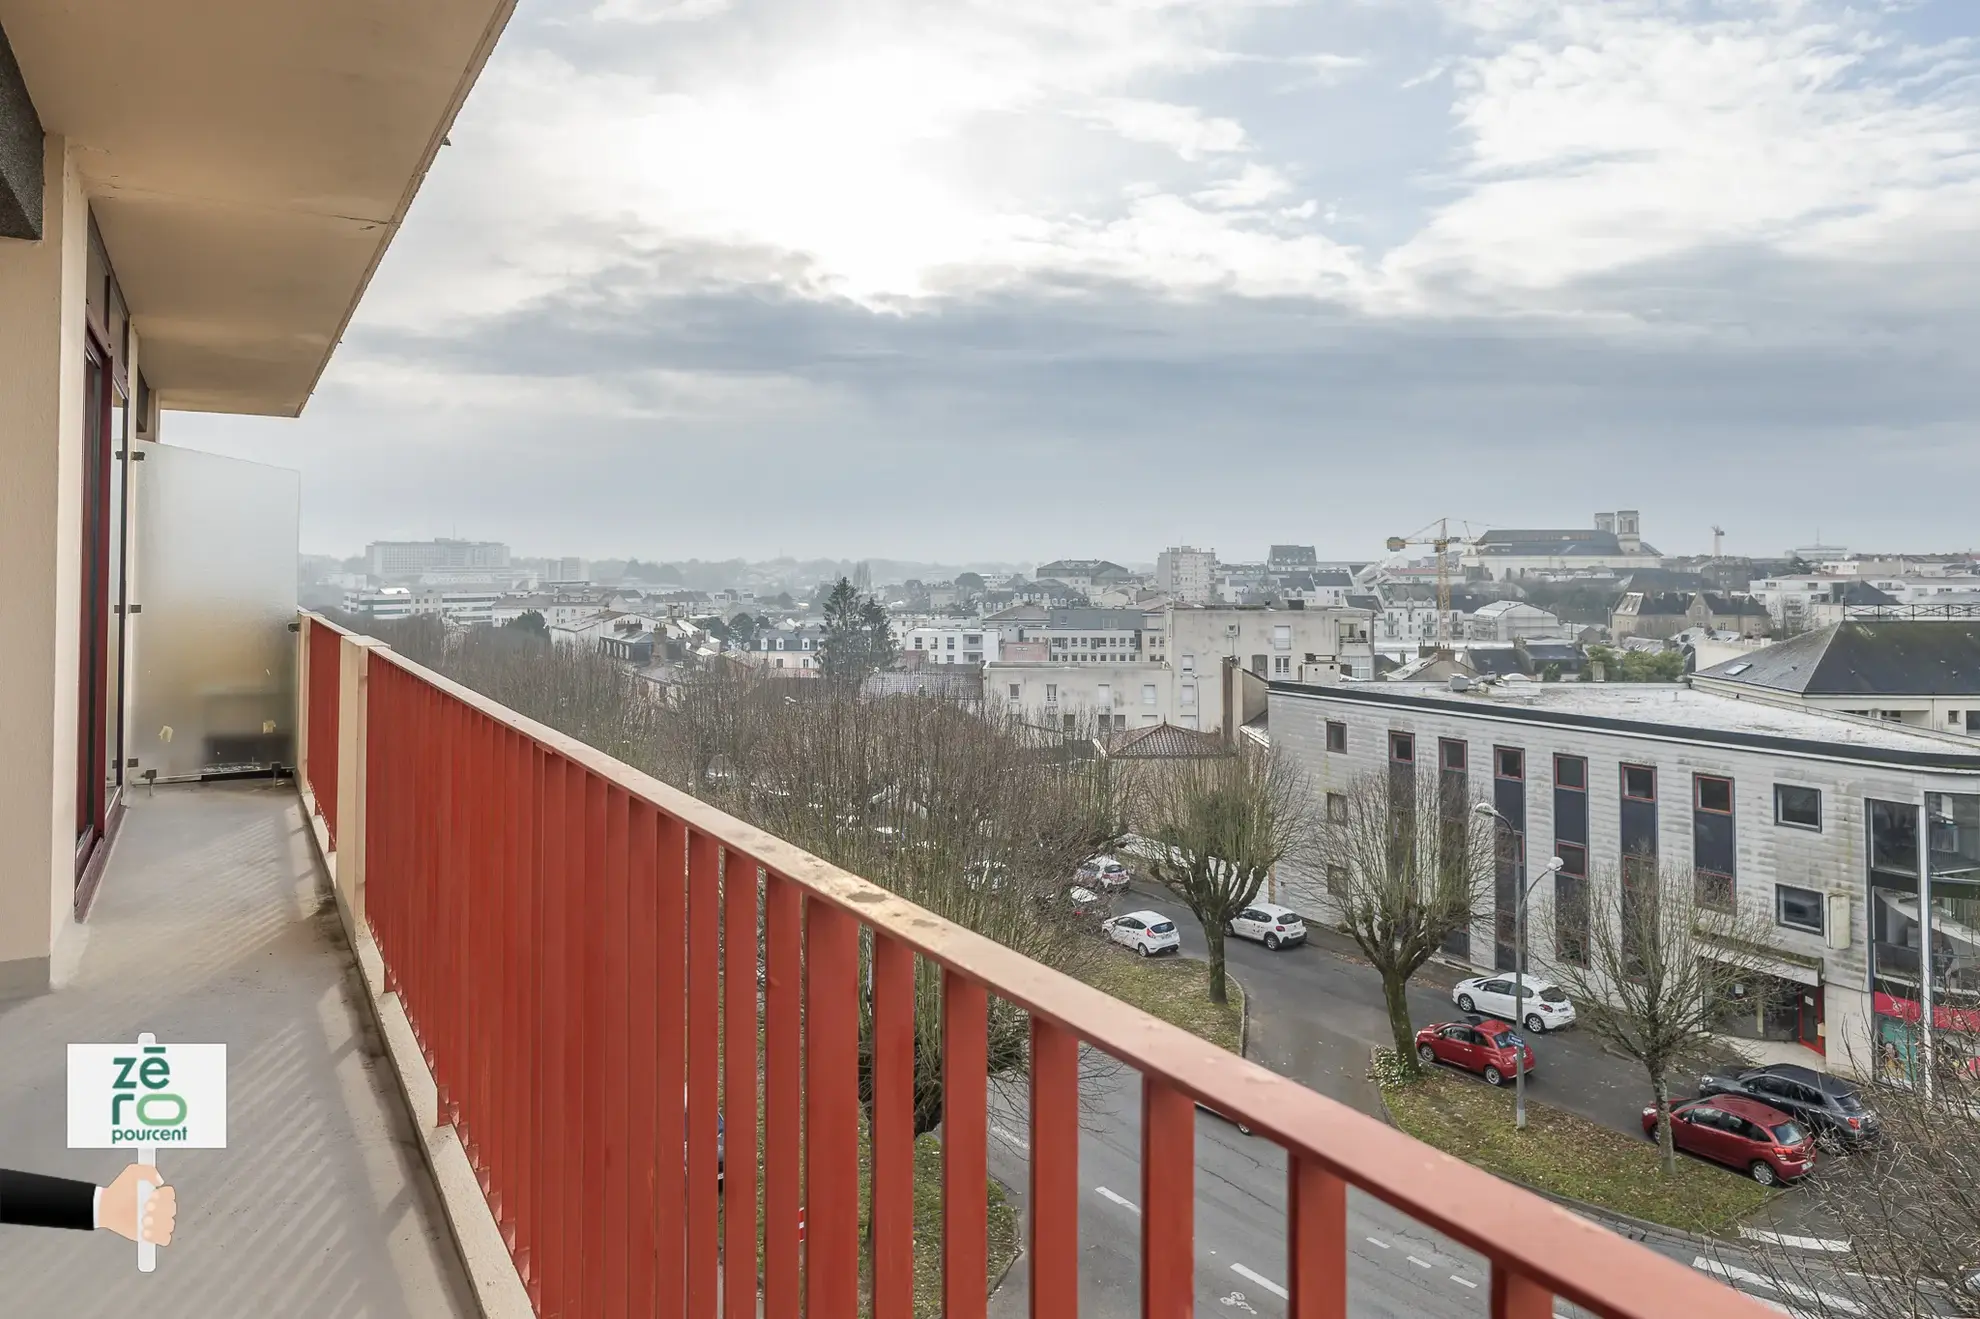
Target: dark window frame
x: 1821, y: 925
x: 1336, y: 736
x: 1581, y: 761
x: 1698, y: 782
x: 1446, y: 745
x: 1402, y: 739
x: 1785, y: 823
x: 1569, y: 866
x: 1499, y: 755
x: 1623, y: 775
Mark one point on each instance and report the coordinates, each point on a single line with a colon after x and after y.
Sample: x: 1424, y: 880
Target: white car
x: 1272, y: 925
x: 1104, y: 873
x: 1147, y: 932
x: 1546, y: 1007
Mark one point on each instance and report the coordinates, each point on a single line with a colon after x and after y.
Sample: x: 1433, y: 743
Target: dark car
x: 1742, y: 1133
x: 1490, y: 1048
x: 1831, y: 1108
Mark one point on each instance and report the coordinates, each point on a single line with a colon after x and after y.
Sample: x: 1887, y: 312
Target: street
x: 1314, y: 1016
x: 1396, y: 1266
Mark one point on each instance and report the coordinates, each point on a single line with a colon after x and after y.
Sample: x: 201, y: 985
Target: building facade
x: 410, y: 558
x: 1186, y: 574
x: 1816, y: 825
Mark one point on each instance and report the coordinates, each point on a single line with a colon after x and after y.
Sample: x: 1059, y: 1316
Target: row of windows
x: 1795, y: 804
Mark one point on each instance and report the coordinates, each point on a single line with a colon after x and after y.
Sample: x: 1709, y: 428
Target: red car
x: 1745, y: 1133
x: 1490, y: 1048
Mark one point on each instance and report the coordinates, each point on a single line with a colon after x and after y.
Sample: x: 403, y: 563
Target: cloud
x: 931, y: 279
x: 1183, y: 129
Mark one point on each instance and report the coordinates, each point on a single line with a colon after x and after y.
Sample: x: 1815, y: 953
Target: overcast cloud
x: 967, y: 279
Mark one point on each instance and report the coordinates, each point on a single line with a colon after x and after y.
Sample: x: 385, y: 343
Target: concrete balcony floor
x: 214, y: 924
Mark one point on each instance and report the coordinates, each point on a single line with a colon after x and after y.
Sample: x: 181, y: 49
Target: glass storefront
x: 1758, y: 1006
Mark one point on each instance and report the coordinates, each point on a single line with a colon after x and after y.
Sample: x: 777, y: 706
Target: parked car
x: 1831, y: 1108
x: 1147, y: 932
x: 1490, y: 1048
x: 1742, y: 1133
x: 1105, y: 874
x: 1272, y: 925
x: 1546, y: 1007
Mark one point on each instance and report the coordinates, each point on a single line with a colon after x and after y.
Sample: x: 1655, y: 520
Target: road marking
x: 1013, y: 1139
x: 1375, y: 1242
x: 1795, y: 1243
x: 1262, y: 1281
x: 1419, y: 1263
x: 1118, y: 1199
x: 1464, y: 1282
x: 1733, y: 1273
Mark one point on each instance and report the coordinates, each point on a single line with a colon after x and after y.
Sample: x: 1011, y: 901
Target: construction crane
x: 1441, y: 543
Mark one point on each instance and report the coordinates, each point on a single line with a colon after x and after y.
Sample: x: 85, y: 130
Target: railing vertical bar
x: 739, y: 1079
x: 782, y: 1081
x: 485, y: 968
x: 447, y: 915
x: 1316, y: 1241
x: 571, y: 898
x: 642, y: 1095
x: 703, y: 1077
x: 965, y: 1147
x: 892, y: 1136
x: 529, y: 1009
x: 670, y: 972
x: 1054, y: 1249
x: 547, y: 1240
x: 616, y: 1139
x: 595, y: 1014
x: 1168, y: 1208
x: 831, y: 1094
x: 1516, y: 1296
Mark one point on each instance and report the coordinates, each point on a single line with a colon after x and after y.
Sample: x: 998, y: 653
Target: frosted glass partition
x: 215, y: 581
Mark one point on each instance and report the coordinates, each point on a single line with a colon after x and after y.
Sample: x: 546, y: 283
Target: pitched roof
x: 1865, y: 658
x: 1652, y: 604
x: 1164, y: 741
x: 1733, y: 606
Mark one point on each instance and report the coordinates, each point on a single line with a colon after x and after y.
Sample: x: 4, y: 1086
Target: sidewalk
x: 213, y: 925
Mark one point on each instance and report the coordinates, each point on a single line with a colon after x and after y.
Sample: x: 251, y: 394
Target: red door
x: 1810, y: 1032
x: 94, y: 658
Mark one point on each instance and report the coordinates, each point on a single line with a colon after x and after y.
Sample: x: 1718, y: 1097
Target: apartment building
x: 1922, y: 674
x: 949, y: 644
x: 1098, y: 696
x: 1186, y: 574
x: 1819, y: 825
x: 410, y: 558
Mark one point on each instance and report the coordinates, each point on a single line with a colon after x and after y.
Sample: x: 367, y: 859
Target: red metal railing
x: 324, y: 641
x: 555, y: 922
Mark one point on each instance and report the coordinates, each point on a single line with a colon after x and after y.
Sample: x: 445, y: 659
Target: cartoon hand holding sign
x: 144, y: 1096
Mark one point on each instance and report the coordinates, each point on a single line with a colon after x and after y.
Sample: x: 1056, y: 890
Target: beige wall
x: 41, y: 385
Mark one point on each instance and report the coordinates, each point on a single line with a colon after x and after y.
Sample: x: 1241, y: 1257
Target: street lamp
x: 1553, y: 866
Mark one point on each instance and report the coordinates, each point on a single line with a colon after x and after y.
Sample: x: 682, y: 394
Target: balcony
x: 554, y: 926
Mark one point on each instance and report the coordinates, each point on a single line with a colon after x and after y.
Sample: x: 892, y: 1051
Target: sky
x: 1024, y: 279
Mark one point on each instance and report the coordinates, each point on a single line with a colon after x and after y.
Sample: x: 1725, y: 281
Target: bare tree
x: 1219, y: 825
x: 1910, y: 1204
x: 1649, y: 955
x: 1406, y: 869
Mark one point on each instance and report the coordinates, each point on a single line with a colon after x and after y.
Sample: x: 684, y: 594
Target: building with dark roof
x: 1614, y: 542
x: 1083, y: 573
x: 1921, y: 674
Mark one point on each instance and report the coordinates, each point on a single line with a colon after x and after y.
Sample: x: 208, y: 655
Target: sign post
x: 143, y: 1096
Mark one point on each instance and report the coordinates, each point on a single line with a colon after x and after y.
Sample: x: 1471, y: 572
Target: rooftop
x: 1667, y: 709
x: 1865, y: 658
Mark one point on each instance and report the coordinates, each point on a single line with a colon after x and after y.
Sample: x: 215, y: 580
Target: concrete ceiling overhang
x: 248, y: 162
